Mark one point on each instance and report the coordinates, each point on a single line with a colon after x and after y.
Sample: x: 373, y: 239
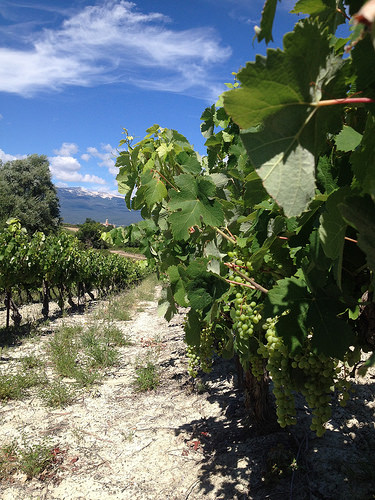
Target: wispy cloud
x: 106, y: 156
x: 113, y: 42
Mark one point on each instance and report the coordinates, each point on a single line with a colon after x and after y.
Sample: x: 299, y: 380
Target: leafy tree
x: 90, y: 234
x: 28, y: 194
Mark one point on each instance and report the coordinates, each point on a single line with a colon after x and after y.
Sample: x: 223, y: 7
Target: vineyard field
x: 184, y: 439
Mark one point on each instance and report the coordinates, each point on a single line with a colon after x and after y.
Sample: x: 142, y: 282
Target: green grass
x: 14, y: 386
x: 30, y: 362
x: 124, y: 306
x: 31, y: 459
x: 113, y: 335
x: 64, y: 349
x: 56, y: 394
x: 35, y: 458
x: 146, y: 377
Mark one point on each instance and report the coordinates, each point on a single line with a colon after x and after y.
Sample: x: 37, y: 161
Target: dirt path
x: 185, y: 440
x: 136, y: 256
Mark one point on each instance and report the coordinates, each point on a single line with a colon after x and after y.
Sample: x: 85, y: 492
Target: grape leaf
x: 348, y: 139
x: 332, y: 226
x: 189, y: 163
x: 360, y: 213
x: 363, y: 159
x: 326, y: 175
x: 283, y: 171
x: 317, y: 313
x: 176, y: 278
x: 283, y: 149
x: 312, y: 6
x: 193, y: 205
x: 266, y: 23
x: 254, y: 190
x: 331, y: 335
x: 192, y: 328
x: 208, y: 126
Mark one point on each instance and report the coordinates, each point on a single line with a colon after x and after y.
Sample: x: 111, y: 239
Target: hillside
x: 78, y: 204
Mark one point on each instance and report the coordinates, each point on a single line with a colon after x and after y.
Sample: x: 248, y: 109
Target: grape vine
x: 269, y: 239
x: 42, y: 264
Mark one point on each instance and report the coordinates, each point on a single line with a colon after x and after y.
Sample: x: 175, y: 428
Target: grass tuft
x: 147, y: 377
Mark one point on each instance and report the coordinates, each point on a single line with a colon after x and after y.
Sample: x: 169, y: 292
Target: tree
x: 28, y: 194
x: 90, y: 234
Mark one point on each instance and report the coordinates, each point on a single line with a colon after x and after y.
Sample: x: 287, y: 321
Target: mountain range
x: 77, y: 204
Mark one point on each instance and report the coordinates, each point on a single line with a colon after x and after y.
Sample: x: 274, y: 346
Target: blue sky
x: 73, y: 74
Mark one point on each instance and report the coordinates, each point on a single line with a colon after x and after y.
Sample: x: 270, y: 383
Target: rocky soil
x: 186, y: 439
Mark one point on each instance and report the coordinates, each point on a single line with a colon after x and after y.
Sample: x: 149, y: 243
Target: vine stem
x: 350, y: 239
x: 240, y: 284
x: 232, y: 240
x: 246, y: 278
x: 346, y: 100
x: 166, y: 180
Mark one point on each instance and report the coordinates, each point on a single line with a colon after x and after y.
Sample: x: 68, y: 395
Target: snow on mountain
x: 77, y: 204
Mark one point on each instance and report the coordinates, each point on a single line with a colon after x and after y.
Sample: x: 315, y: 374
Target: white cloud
x: 107, y: 157
x: 113, y: 42
x: 66, y: 168
x: 85, y: 157
x: 4, y: 157
x: 67, y: 149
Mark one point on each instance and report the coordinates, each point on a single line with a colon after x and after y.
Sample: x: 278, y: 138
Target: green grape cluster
x: 246, y: 318
x: 277, y: 355
x: 316, y: 376
x: 201, y: 356
x: 319, y: 373
x: 192, y: 353
x: 206, y: 348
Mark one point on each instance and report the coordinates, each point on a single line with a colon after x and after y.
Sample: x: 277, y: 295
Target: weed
x: 127, y: 436
x: 8, y: 458
x: 85, y: 377
x: 201, y: 387
x: 280, y: 463
x: 29, y: 362
x: 102, y: 356
x: 14, y: 386
x: 113, y: 335
x: 147, y: 377
x: 64, y: 349
x: 57, y: 394
x: 34, y: 458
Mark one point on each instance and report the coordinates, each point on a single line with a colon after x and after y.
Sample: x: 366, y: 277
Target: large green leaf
x: 193, y: 205
x: 295, y: 170
x: 363, y: 159
x: 189, y: 163
x: 293, y: 131
x: 359, y: 212
x: 309, y: 313
x: 331, y: 335
x: 254, y: 190
x: 332, y: 226
x: 264, y: 98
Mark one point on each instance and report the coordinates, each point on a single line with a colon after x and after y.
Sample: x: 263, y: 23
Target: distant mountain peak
x: 78, y: 204
x: 80, y: 191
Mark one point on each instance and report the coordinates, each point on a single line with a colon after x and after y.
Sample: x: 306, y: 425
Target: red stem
x: 346, y: 100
